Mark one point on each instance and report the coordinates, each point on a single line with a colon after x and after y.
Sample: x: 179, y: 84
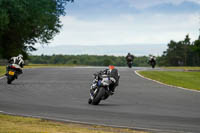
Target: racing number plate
x: 11, y: 73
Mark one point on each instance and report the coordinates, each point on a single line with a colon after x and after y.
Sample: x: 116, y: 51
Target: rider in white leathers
x: 18, y: 62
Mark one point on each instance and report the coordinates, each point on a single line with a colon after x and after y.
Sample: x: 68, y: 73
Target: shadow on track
x: 111, y: 105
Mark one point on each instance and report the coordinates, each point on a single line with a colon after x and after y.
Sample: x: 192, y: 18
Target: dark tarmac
x: 62, y: 94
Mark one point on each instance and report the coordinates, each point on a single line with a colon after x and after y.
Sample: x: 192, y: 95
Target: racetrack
x: 62, y: 94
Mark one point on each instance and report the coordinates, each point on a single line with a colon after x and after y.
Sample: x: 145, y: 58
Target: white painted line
x: 2, y: 77
x: 187, y: 89
x: 89, y: 67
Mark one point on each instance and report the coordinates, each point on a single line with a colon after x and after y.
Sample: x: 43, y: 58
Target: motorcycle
x: 130, y: 63
x: 153, y: 63
x: 13, y: 71
x: 100, y: 89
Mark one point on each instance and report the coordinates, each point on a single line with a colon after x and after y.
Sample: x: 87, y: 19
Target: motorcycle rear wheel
x: 9, y: 79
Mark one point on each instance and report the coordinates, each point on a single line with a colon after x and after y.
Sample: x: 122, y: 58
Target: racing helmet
x: 20, y: 56
x: 111, y: 67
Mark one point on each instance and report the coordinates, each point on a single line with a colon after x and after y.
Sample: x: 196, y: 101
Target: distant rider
x: 129, y: 57
x: 114, y: 76
x: 18, y: 62
x: 152, y: 59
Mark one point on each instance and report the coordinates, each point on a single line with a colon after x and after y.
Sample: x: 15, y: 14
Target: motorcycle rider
x: 113, y: 73
x: 114, y: 76
x: 129, y: 57
x: 152, y: 59
x: 18, y: 62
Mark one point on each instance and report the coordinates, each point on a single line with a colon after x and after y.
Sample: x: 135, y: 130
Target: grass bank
x: 190, y: 80
x: 15, y: 124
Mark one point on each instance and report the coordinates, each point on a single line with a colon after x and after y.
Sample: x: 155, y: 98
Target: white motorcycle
x: 100, y: 88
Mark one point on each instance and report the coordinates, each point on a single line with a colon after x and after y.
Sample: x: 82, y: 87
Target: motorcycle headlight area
x: 93, y: 86
x: 105, y: 82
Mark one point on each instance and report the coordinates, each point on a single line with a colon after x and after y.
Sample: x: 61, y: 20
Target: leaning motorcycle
x: 12, y: 72
x: 100, y: 89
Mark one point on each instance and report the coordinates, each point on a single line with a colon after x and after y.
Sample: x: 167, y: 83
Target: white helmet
x: 20, y: 56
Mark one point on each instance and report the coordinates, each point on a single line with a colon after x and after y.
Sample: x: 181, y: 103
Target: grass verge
x: 2, y: 70
x: 16, y: 124
x: 188, y: 80
x: 184, y: 68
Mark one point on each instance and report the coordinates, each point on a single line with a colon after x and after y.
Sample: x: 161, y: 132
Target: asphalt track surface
x: 62, y: 94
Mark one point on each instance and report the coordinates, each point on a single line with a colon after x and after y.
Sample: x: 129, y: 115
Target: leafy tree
x: 182, y: 53
x: 175, y: 53
x: 186, y: 44
x: 196, y: 47
x: 107, y: 62
x: 26, y: 22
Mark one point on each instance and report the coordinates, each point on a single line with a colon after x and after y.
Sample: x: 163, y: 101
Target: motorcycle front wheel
x: 99, y: 96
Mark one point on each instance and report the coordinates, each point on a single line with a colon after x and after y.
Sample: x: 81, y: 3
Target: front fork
x: 93, y: 89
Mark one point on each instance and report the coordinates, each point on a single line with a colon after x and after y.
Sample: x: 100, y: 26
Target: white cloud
x: 128, y: 29
x: 149, y: 3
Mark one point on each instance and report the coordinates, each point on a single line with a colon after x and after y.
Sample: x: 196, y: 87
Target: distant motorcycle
x: 13, y: 71
x: 100, y: 89
x: 152, y: 63
x: 130, y: 64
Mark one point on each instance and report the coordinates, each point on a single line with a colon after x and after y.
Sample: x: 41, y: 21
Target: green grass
x: 15, y: 124
x: 2, y: 70
x: 190, y: 80
x: 184, y: 68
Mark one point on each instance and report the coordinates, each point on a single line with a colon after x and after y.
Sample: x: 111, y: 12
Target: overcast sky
x: 103, y: 22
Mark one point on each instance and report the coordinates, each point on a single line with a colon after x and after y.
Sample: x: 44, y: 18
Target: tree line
x: 181, y: 53
x: 88, y: 60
